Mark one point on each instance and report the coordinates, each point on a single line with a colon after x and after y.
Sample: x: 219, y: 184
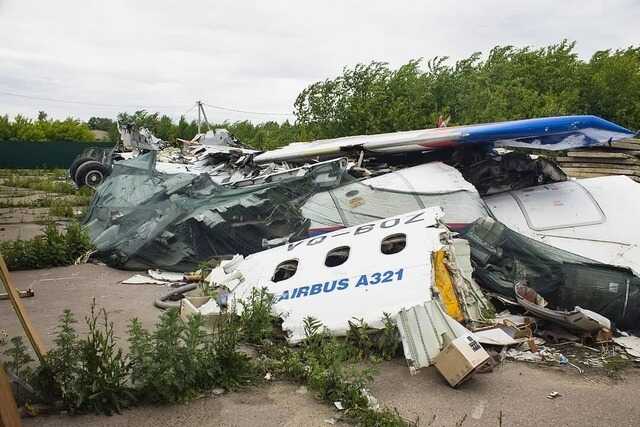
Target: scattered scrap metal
x: 428, y: 226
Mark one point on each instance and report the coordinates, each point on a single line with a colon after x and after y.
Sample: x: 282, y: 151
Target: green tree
x: 509, y: 83
x: 6, y: 130
x: 611, y: 86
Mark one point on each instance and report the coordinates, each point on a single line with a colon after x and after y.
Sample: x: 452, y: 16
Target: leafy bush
x: 164, y: 360
x: 56, y: 378
x: 43, y: 129
x: 181, y: 359
x: 388, y: 340
x: 103, y: 372
x: 256, y: 320
x: 358, y: 336
x: 19, y: 358
x: 51, y: 202
x: 85, y: 375
x: 51, y: 249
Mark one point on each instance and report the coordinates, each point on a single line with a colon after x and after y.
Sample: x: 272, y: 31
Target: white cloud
x: 259, y: 55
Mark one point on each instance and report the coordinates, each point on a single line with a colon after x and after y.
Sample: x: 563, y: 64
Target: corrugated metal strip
x: 425, y: 330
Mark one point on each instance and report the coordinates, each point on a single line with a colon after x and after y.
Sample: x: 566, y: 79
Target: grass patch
x: 180, y: 360
x: 61, y: 208
x: 53, y: 172
x: 51, y: 249
x: 48, y: 201
x: 46, y: 184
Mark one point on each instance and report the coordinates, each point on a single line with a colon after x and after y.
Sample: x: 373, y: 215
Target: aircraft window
x: 393, y: 244
x: 337, y: 256
x: 285, y: 270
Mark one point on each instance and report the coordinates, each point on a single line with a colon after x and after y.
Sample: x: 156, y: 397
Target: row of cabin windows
x: 390, y: 245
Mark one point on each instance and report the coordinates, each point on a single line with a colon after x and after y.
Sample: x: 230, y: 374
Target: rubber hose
x: 162, y: 303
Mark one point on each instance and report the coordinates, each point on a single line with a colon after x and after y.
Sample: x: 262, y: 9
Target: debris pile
x: 433, y: 229
x: 141, y: 218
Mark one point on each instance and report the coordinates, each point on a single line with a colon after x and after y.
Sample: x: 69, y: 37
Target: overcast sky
x: 257, y: 56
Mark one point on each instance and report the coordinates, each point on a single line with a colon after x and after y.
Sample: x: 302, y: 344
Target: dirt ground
x: 517, y: 390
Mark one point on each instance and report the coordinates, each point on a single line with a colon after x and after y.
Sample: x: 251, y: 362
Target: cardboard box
x: 459, y: 360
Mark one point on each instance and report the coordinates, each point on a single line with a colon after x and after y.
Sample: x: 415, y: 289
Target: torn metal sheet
x: 141, y: 218
x: 503, y: 258
x: 491, y: 173
x: 359, y: 272
x: 393, y: 193
x: 552, y: 133
x: 576, y: 320
x: 425, y: 330
x: 139, y: 139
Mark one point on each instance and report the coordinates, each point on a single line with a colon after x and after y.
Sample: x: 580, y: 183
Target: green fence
x: 52, y: 154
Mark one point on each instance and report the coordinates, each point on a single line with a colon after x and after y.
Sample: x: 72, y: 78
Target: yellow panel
x: 444, y: 283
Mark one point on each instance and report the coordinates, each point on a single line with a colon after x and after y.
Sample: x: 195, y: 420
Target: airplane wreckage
x: 426, y: 225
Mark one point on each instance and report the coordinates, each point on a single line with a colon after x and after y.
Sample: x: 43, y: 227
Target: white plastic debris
x: 210, y: 307
x: 495, y: 336
x: 631, y: 345
x: 166, y: 276
x: 139, y: 279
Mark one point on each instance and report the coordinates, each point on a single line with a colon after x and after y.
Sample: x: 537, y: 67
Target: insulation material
x: 444, y: 284
x: 475, y: 305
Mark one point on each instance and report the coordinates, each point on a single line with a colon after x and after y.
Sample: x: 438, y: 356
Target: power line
x: 97, y: 104
x: 247, y: 111
x: 189, y: 110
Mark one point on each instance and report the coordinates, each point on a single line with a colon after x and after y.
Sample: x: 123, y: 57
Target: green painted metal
x: 50, y: 154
